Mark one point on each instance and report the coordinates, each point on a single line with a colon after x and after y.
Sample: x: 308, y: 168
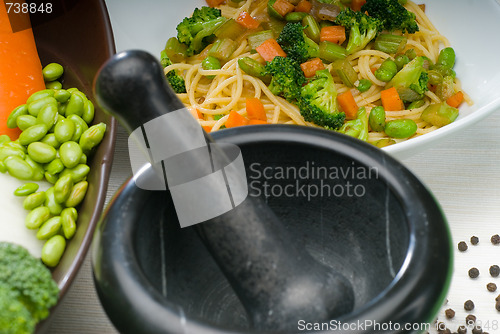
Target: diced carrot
x: 311, y: 66
x: 304, y: 6
x: 334, y: 34
x: 270, y: 49
x: 214, y: 3
x: 247, y: 21
x: 207, y: 128
x: 256, y: 122
x: 20, y: 69
x: 283, y: 7
x: 348, y: 104
x: 255, y: 109
x: 391, y: 100
x: 456, y: 99
x: 235, y: 119
x: 356, y: 4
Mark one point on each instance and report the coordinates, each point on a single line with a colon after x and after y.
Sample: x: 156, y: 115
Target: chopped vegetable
x: 310, y: 67
x: 330, y: 52
x: 296, y: 44
x: 304, y: 6
x: 362, y: 28
x: 439, y: 114
x: 392, y: 14
x: 270, y: 49
x: 246, y: 20
x: 334, y: 34
x: 357, y: 4
x: 357, y: 127
x: 348, y: 104
x: 255, y: 109
x: 287, y: 78
x: 456, y: 99
x: 235, y: 119
x: 283, y: 7
x: 391, y: 100
x: 214, y: 3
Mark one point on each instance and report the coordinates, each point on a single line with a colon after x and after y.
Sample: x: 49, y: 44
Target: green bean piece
x: 51, y: 203
x: 439, y: 114
x: 41, y: 152
x: 390, y: 43
x: 55, y: 166
x: 36, y: 106
x: 210, y: 63
x: 75, y: 105
x: 364, y: 85
x: 52, y: 71
x: 38, y: 171
x: 14, y: 114
x: 50, y: 139
x: 53, y: 85
x: 295, y: 16
x: 401, y: 60
x: 88, y: 111
x: 62, y: 95
x: 70, y: 153
x: 62, y: 188
x: 36, y: 217
x: 50, y: 228
x: 346, y: 72
x: 4, y: 139
x: 77, y: 194
x: 78, y: 173
x: 18, y: 168
x: 92, y: 137
x: 48, y: 115
x: 252, y: 67
x: 32, y: 134
x: 222, y: 49
x: 416, y: 104
x: 69, y: 217
x: 401, y: 128
x: 34, y: 200
x: 25, y: 121
x: 311, y: 28
x: 386, y: 71
x: 53, y: 250
x: 384, y: 142
x: 80, y: 126
x: 26, y: 189
x: 330, y: 52
x: 64, y: 130
x: 376, y: 119
x: 446, y: 57
x: 41, y: 94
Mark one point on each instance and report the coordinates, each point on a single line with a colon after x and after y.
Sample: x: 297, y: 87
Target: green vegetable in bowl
x: 27, y: 290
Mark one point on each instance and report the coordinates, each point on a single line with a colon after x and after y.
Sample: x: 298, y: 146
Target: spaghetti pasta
x: 228, y: 88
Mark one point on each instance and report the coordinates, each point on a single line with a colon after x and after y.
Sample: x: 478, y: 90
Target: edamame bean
x: 26, y: 189
x: 32, y: 134
x: 401, y: 128
x: 41, y: 94
x: 386, y: 71
x: 7, y: 151
x: 446, y: 57
x: 295, y: 16
x: 75, y: 105
x: 34, y: 200
x: 77, y: 173
x: 25, y: 121
x: 70, y: 153
x: 401, y: 60
x: 62, y: 108
x: 62, y: 188
x: 51, y: 178
x: 376, y: 119
x: 55, y: 166
x: 62, y: 95
x: 384, y: 142
x: 83, y: 159
x: 416, y: 104
x: 50, y: 228
x: 53, y: 85
x: 51, y: 203
x: 41, y: 152
x: 18, y: 168
x: 435, y: 78
x: 37, y: 217
x: 80, y: 126
x: 364, y: 85
x: 88, y: 111
x: 4, y: 139
x: 3, y: 169
x: 53, y: 250
x: 92, y: 137
x: 36, y: 106
x: 77, y: 194
x: 52, y: 71
x: 50, y: 139
x: 18, y: 111
x: 48, y: 115
x: 68, y: 221
x: 64, y: 130
x: 209, y: 63
x: 38, y: 171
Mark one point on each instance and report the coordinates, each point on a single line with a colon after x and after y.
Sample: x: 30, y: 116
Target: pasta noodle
x: 230, y: 86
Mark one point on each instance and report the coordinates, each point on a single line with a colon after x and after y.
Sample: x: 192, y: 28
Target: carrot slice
x: 283, y: 7
x: 235, y: 119
x: 255, y: 109
x: 270, y: 49
x: 247, y: 21
x: 304, y: 6
x: 207, y: 128
x: 256, y: 122
x: 456, y: 99
x: 348, y: 104
x: 20, y: 70
x: 334, y: 34
x: 214, y: 3
x: 311, y: 66
x: 391, y: 100
x: 356, y: 4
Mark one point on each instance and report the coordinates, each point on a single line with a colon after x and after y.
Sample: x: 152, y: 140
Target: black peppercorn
x: 494, y: 270
x: 450, y: 314
x: 477, y: 330
x: 492, y: 287
x: 473, y: 272
x: 495, y: 240
x: 474, y: 240
x: 497, y: 306
x: 462, y: 330
x: 462, y: 246
x: 470, y: 319
x: 469, y: 305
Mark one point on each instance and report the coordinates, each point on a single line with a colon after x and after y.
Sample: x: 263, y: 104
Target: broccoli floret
x: 296, y: 44
x: 411, y: 81
x: 177, y: 82
x: 287, y: 77
x: 195, y: 31
x: 31, y: 289
x: 361, y: 27
x: 393, y: 15
x: 318, y: 102
x: 358, y: 127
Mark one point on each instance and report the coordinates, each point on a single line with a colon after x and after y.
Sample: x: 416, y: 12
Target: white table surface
x: 463, y: 174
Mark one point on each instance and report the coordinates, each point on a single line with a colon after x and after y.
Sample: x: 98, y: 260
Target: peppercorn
x: 470, y: 319
x: 462, y: 246
x: 494, y: 270
x: 495, y: 240
x: 498, y: 298
x: 473, y: 272
x: 497, y: 306
x: 462, y: 330
x: 477, y: 330
x: 474, y: 240
x: 492, y: 287
x: 469, y: 305
x: 450, y: 314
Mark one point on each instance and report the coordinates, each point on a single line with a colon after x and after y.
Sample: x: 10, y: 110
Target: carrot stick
x: 456, y: 99
x: 304, y: 6
x: 391, y: 100
x: 247, y: 21
x: 334, y: 34
x: 255, y: 109
x: 20, y: 70
x: 270, y: 49
x: 356, y: 4
x: 348, y: 104
x: 311, y: 66
x: 283, y: 7
x: 214, y: 3
x: 235, y: 119
x: 256, y: 122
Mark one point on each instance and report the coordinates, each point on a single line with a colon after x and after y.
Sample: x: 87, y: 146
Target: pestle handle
x: 277, y: 281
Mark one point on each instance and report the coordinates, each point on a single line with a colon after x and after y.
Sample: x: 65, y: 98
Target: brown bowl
x: 78, y: 35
